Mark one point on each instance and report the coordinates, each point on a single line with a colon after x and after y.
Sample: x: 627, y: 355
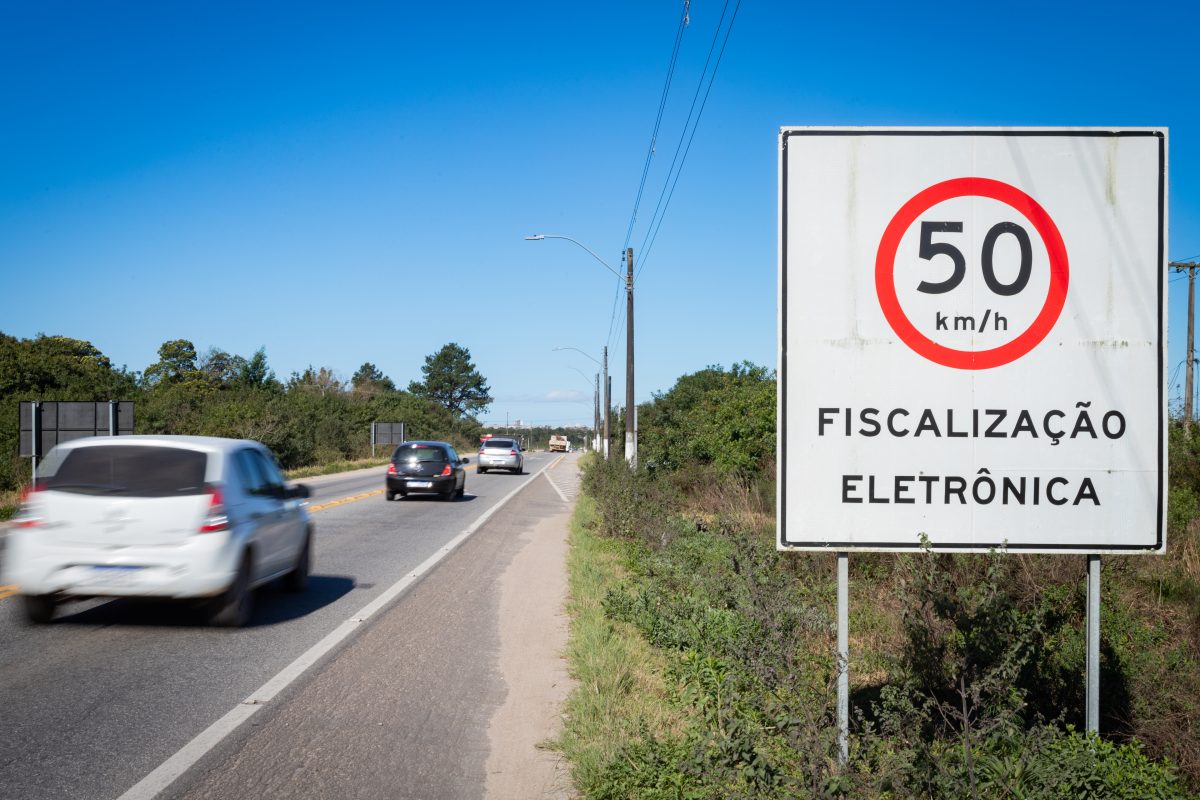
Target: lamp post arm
x: 577, y: 350
x: 539, y: 236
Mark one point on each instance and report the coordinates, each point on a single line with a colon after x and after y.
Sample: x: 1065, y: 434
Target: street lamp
x: 630, y: 407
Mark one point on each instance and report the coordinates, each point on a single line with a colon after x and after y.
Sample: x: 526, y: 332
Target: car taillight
x: 215, y: 518
x: 513, y: 453
x: 391, y: 469
x: 445, y: 470
x: 26, y: 517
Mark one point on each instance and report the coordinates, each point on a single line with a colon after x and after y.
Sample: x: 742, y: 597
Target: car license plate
x: 114, y: 575
x: 421, y: 484
x: 497, y: 460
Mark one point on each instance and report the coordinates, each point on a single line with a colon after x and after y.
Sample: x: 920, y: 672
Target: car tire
x: 481, y: 470
x: 39, y: 608
x: 449, y: 494
x: 390, y: 496
x: 296, y: 581
x: 233, y: 607
x: 462, y: 490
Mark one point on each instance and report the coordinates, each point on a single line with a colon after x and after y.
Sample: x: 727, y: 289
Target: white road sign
x: 972, y: 329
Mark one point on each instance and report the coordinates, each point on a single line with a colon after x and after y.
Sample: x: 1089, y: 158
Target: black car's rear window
x: 133, y: 471
x: 504, y: 444
x: 419, y: 452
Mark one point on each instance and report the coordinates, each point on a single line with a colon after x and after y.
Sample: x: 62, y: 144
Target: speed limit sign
x: 971, y: 339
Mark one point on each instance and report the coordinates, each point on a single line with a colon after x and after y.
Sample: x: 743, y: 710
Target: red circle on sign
x: 885, y: 273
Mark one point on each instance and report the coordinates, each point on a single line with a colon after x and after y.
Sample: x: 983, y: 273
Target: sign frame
x: 833, y: 542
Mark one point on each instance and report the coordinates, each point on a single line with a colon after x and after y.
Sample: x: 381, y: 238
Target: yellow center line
x: 8, y: 591
x: 344, y: 500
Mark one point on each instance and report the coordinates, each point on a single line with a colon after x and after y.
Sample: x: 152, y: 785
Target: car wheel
x: 481, y: 470
x: 450, y: 493
x: 39, y: 608
x: 462, y: 490
x: 234, y: 606
x: 390, y: 496
x: 297, y: 579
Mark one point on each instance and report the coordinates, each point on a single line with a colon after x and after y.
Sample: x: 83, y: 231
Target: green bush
x: 718, y: 417
x: 977, y: 679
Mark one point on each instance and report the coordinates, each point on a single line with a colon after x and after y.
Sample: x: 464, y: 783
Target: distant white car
x: 501, y: 453
x: 173, y: 517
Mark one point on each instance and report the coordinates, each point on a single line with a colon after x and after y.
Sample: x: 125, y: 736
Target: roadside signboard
x: 388, y: 433
x: 45, y: 423
x: 972, y: 332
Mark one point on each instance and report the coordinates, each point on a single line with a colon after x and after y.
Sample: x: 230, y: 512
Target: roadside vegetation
x: 315, y: 421
x: 705, y: 658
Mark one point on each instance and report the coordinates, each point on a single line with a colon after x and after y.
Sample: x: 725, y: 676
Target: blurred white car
x: 173, y: 517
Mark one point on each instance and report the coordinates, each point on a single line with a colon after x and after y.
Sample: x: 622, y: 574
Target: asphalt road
x: 94, y: 702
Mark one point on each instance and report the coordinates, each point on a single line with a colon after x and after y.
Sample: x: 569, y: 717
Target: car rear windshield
x: 503, y: 444
x: 419, y: 452
x: 134, y: 471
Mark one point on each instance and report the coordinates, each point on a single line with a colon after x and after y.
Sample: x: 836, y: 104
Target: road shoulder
x: 533, y: 639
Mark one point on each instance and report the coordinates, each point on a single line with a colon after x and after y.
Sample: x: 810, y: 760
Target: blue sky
x: 353, y: 182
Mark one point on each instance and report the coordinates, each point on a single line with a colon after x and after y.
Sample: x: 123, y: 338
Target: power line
x: 662, y: 105
x: 1175, y: 375
x: 655, y: 226
x: 683, y: 134
x: 612, y: 320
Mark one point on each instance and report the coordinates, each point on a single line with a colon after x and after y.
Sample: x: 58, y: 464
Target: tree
x: 453, y: 382
x: 176, y: 363
x: 220, y: 368
x: 255, y: 373
x: 322, y: 381
x: 47, y: 366
x: 370, y: 380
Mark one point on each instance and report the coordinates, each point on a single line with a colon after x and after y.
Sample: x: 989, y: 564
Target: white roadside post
x: 972, y: 338
x: 1093, y: 644
x: 843, y: 656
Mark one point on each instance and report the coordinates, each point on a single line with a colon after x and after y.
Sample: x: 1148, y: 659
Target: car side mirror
x: 299, y: 491
x: 466, y: 460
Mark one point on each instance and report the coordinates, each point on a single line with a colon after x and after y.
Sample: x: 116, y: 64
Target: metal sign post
x: 843, y: 657
x: 35, y: 418
x: 1093, y: 643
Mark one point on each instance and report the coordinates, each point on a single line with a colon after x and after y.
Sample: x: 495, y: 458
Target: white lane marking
x: 555, y: 485
x: 175, y: 766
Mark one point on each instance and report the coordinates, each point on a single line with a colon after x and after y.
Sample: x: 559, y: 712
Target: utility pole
x: 630, y: 407
x: 596, y: 416
x: 607, y: 413
x: 1190, y: 266
x: 607, y: 401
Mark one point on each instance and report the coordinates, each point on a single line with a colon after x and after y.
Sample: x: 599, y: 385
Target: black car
x: 426, y: 468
